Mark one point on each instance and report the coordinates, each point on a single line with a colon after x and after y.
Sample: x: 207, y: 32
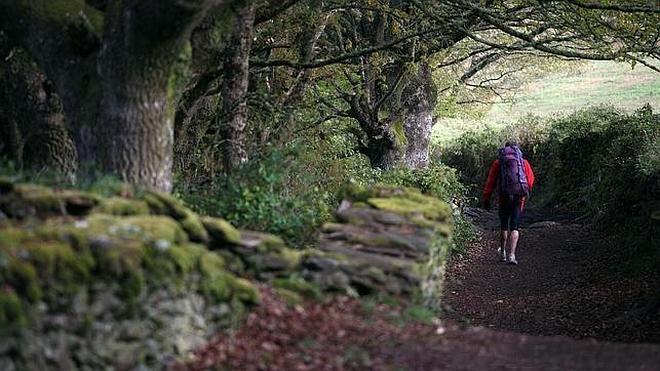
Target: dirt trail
x: 565, y: 284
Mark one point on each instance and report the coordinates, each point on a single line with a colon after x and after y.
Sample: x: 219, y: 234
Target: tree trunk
x: 236, y: 68
x: 33, y: 131
x: 383, y: 154
x: 122, y: 116
x: 139, y: 62
x: 418, y: 120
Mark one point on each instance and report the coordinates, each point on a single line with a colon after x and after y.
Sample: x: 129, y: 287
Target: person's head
x: 511, y: 143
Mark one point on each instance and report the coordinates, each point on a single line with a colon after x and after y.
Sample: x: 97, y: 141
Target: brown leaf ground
x: 564, y: 286
x: 571, y: 281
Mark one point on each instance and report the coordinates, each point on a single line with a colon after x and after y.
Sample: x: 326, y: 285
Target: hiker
x: 515, y: 178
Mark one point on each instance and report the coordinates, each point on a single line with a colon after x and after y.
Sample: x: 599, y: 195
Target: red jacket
x: 494, y: 174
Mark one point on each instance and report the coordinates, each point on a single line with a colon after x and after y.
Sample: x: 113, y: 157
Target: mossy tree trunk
x: 32, y: 128
x: 115, y: 73
x: 236, y: 68
x: 418, y: 121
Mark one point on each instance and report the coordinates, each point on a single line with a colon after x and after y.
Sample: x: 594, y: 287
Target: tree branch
x: 617, y: 7
x: 343, y: 57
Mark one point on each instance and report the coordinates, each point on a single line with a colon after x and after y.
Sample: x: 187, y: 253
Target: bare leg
x: 504, y: 236
x: 513, y: 242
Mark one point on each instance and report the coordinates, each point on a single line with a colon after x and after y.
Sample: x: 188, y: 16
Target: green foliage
x: 275, y: 194
x: 603, y: 164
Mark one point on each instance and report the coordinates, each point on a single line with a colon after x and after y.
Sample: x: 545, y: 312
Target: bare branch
x: 617, y: 7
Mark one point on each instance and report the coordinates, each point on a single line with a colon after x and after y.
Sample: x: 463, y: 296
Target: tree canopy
x: 145, y: 83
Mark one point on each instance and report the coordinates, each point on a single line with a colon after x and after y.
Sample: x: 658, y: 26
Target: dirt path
x: 564, y: 284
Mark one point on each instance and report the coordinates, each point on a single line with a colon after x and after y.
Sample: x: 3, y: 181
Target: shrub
x: 274, y: 194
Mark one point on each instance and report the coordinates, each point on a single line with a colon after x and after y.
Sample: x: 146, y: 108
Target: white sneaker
x: 512, y: 260
x: 501, y: 254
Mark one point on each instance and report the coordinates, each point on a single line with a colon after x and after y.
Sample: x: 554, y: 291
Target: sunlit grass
x: 596, y: 83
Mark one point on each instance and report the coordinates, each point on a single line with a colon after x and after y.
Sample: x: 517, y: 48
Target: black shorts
x: 510, y: 214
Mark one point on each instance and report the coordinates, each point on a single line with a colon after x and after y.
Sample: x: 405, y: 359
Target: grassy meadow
x: 588, y: 84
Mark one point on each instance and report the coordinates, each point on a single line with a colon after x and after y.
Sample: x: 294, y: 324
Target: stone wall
x: 94, y: 283
x: 137, y: 281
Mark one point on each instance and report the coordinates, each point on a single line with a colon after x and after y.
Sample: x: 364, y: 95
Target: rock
x: 22, y: 201
x: 164, y: 204
x: 299, y: 286
x: 114, y: 289
x: 320, y: 263
x: 221, y: 232
x: 383, y: 241
x: 123, y: 206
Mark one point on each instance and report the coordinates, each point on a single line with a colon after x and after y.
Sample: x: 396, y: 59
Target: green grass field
x: 594, y: 83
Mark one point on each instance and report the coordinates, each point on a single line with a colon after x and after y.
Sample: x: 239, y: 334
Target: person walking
x: 515, y: 178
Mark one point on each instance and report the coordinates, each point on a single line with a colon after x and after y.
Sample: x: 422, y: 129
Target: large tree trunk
x: 121, y: 110
x: 236, y: 69
x: 383, y: 154
x: 141, y: 47
x: 402, y: 140
x: 418, y: 120
x: 61, y: 36
x: 31, y: 118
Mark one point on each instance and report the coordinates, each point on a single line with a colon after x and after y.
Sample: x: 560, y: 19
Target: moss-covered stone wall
x: 90, y: 282
x: 87, y: 282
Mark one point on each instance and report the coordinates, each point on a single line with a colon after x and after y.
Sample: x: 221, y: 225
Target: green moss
x: 211, y: 264
x: 66, y: 11
x: 290, y: 298
x: 40, y: 265
x: 246, y: 292
x: 221, y: 232
x: 232, y: 262
x: 12, y: 315
x: 31, y: 200
x: 292, y: 257
x: 148, y: 228
x: 219, y: 287
x: 271, y: 243
x: 62, y: 271
x: 123, y: 206
x: 186, y: 257
x: 42, y: 199
x: 376, y: 274
x: 171, y: 264
x: 431, y: 208
x: 165, y: 204
x: 194, y: 227
x: 155, y: 205
x: 217, y: 283
x: 399, y: 134
x: 298, y: 285
x: 22, y: 276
